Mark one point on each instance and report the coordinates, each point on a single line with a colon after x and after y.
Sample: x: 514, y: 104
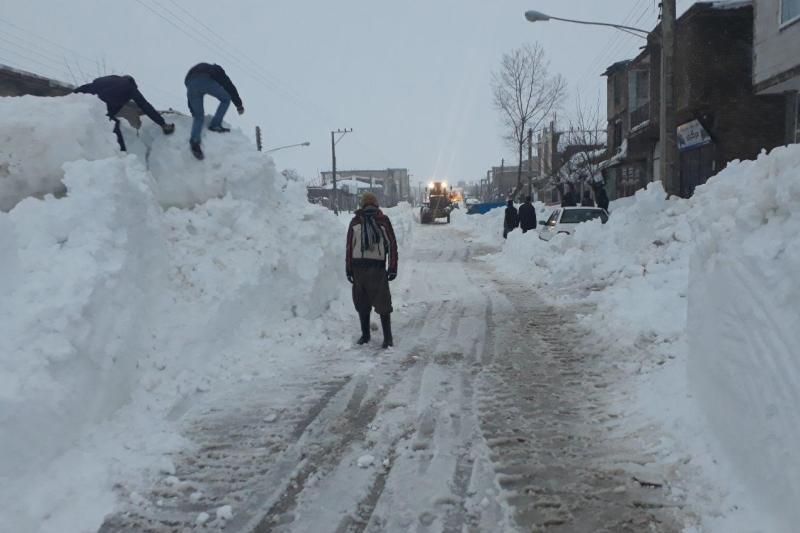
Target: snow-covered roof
x: 353, y: 184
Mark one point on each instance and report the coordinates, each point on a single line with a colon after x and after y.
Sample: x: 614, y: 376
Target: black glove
x: 168, y: 128
x: 350, y: 277
x: 240, y: 110
x: 392, y: 276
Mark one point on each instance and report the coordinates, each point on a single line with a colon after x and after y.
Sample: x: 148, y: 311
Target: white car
x: 564, y: 220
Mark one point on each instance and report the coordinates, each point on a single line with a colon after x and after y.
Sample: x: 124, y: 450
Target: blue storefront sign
x: 691, y: 135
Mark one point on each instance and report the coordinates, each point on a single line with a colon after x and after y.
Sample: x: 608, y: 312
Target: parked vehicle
x: 564, y: 220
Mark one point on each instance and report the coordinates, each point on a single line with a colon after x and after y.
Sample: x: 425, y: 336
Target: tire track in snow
x: 552, y: 454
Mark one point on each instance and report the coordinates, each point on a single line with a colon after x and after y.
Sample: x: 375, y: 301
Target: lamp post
x: 307, y: 143
x: 668, y: 123
x: 538, y: 16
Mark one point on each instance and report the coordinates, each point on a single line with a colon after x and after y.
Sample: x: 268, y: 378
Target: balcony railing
x: 640, y: 115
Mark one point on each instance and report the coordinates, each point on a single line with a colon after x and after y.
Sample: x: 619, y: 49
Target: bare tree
x: 526, y: 94
x: 584, y: 146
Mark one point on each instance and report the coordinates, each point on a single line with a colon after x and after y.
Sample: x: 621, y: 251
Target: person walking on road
x: 370, y: 242
x: 116, y: 91
x: 527, y: 215
x: 207, y: 79
x: 587, y: 199
x: 511, y: 220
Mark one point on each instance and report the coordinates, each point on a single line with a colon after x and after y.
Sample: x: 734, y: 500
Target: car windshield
x: 576, y: 216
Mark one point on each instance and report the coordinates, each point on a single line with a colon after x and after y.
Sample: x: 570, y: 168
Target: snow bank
x: 72, y: 323
x: 744, y: 323
x: 702, y: 295
x: 232, y: 165
x: 40, y: 134
x: 115, y: 311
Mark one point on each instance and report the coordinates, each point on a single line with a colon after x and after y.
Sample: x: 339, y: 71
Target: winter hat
x: 369, y: 199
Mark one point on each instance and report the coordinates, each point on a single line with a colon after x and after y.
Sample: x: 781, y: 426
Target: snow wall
x: 712, y: 282
x: 744, y: 323
x: 131, y: 290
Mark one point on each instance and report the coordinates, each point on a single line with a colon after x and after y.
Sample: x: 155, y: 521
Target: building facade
x: 776, y: 61
x: 391, y: 185
x: 720, y: 116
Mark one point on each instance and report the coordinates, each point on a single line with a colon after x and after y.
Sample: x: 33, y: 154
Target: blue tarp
x: 482, y: 209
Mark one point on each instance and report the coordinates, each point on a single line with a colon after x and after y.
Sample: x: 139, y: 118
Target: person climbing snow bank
x: 207, y: 79
x: 116, y: 92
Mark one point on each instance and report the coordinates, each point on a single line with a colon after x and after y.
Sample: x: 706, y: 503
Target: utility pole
x: 258, y: 138
x: 530, y: 162
x: 669, y: 127
x: 334, y: 140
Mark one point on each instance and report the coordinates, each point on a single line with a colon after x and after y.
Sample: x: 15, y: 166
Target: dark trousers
x: 118, y: 133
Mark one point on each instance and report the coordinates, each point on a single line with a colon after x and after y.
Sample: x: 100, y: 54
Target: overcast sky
x: 410, y: 77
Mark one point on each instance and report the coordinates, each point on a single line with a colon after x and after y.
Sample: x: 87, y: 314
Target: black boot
x: 386, y: 324
x: 196, y: 150
x: 363, y: 316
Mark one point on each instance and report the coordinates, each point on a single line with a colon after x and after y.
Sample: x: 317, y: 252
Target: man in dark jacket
x: 587, y: 199
x: 568, y: 196
x: 370, y: 241
x: 511, y: 219
x: 116, y: 91
x: 203, y: 79
x: 601, y: 195
x: 527, y: 216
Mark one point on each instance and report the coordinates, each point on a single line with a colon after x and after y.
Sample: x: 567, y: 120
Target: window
x: 790, y: 10
x: 638, y: 88
x: 617, y: 134
x: 618, y: 89
x: 797, y: 117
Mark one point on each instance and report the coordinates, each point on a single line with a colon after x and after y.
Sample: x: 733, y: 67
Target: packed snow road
x: 488, y: 415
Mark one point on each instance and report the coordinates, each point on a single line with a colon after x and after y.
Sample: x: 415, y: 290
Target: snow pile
x: 72, y: 323
x: 73, y: 126
x: 115, y: 312
x: 744, y: 323
x: 708, y: 288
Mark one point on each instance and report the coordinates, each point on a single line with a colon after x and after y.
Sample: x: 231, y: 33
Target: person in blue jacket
x: 116, y: 91
x: 207, y: 79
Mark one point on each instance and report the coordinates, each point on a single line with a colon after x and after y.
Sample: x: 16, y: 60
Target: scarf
x: 370, y: 232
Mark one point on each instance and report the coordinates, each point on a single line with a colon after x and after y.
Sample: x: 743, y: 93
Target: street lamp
x: 307, y: 143
x: 538, y: 16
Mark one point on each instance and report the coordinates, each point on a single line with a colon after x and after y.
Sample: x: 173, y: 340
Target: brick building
x: 720, y: 116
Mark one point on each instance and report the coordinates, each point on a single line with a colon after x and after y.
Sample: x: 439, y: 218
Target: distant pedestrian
x: 568, y: 196
x: 511, y: 220
x: 527, y: 215
x: 601, y: 196
x: 207, y: 79
x: 116, y: 91
x: 370, y: 242
x: 587, y: 199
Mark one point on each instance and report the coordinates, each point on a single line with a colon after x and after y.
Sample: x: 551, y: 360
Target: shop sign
x: 691, y: 135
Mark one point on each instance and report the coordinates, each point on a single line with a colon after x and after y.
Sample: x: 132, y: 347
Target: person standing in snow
x: 116, y: 91
x: 568, y: 196
x: 527, y: 215
x: 511, y: 220
x: 587, y: 199
x: 600, y: 195
x: 370, y: 242
x: 207, y: 79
